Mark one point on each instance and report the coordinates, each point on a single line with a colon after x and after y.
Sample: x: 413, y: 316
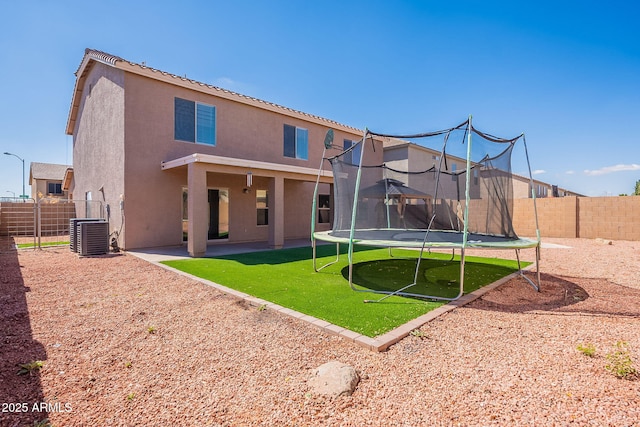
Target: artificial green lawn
x: 31, y: 245
x: 286, y: 277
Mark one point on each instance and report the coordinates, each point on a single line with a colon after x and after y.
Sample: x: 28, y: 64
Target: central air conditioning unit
x: 93, y: 238
x: 73, y: 231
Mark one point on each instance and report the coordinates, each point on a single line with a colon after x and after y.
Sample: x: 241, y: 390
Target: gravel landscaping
x: 127, y: 343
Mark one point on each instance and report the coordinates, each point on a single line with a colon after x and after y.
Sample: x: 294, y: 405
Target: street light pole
x: 23, y: 196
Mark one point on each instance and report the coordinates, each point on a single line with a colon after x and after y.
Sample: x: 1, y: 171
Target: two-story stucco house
x: 47, y: 180
x: 179, y: 161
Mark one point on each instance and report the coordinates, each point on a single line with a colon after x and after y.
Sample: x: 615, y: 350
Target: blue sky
x: 567, y: 74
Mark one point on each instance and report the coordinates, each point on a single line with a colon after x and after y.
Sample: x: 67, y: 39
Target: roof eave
x: 66, y: 181
x: 81, y: 76
x: 92, y: 56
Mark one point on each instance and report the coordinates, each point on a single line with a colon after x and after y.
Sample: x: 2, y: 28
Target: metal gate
x: 25, y: 223
x: 54, y: 214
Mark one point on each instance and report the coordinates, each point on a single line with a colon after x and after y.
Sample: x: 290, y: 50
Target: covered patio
x: 198, y: 166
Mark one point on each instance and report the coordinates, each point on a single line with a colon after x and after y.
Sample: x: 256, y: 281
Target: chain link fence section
x: 54, y: 215
x: 17, y: 223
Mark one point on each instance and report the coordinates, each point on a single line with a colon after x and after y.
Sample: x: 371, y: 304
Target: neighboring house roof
x: 395, y: 144
x: 92, y: 56
x: 47, y: 171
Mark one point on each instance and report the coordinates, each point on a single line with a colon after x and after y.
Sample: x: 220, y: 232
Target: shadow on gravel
x: 21, y: 395
x: 563, y: 295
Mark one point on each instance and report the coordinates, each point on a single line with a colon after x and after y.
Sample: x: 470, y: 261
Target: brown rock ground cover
x: 126, y: 343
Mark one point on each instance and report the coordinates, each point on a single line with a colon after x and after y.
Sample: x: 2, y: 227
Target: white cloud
x: 611, y: 169
x: 234, y: 85
x: 538, y: 172
x: 570, y: 172
x: 224, y: 82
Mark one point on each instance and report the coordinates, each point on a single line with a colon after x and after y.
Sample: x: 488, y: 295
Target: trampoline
x: 417, y: 238
x: 462, y: 197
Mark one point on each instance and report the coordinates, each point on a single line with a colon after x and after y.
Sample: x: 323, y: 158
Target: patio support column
x: 276, y: 212
x: 197, y: 205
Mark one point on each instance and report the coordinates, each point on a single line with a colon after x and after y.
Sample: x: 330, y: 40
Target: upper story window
x: 194, y: 122
x: 54, y: 188
x: 353, y: 156
x: 542, y: 191
x: 296, y: 142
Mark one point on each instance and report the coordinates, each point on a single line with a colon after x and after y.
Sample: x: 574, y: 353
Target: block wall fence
x: 614, y: 218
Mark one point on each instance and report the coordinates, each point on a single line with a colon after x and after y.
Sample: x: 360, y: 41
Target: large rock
x: 334, y: 379
x: 604, y: 241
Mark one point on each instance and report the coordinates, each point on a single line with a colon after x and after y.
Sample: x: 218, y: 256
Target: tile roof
x: 113, y: 60
x: 48, y: 171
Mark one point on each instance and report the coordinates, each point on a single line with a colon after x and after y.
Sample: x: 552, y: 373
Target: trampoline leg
x: 313, y: 250
x: 390, y: 294
x: 351, y: 274
x: 461, y: 272
x: 313, y: 254
x: 538, y: 265
x: 535, y: 286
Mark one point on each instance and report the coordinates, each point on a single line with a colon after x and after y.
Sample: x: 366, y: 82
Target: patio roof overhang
x: 241, y: 166
x: 199, y: 165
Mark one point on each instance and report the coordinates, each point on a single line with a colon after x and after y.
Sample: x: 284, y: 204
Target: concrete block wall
x: 17, y: 219
x: 556, y: 217
x: 615, y: 218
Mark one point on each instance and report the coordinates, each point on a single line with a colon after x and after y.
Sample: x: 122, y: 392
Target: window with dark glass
x: 324, y: 208
x: 54, y: 188
x: 262, y: 207
x: 296, y: 142
x: 194, y: 122
x: 352, y: 157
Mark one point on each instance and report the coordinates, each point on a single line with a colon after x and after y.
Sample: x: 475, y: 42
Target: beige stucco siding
x: 98, y: 143
x: 153, y: 198
x: 242, y: 131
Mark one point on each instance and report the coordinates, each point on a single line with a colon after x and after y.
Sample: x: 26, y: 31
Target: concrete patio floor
x: 167, y: 253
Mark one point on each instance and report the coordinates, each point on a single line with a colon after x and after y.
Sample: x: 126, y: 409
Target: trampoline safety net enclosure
x: 458, y: 195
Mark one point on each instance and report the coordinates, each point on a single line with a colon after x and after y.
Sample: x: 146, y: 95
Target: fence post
x: 36, y: 217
